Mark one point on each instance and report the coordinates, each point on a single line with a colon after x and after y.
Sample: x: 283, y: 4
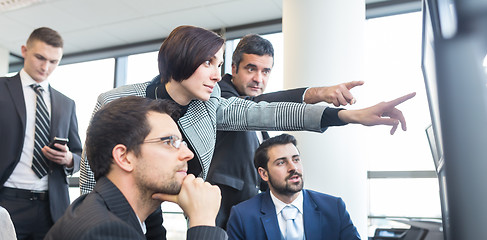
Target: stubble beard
x: 149, y: 186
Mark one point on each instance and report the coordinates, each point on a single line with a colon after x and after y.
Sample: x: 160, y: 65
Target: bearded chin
x: 288, y: 189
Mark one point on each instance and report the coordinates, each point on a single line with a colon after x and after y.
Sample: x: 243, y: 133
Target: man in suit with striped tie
x: 139, y: 159
x: 33, y: 176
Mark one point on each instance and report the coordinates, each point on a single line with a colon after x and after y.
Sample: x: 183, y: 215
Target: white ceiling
x: 88, y: 25
x: 95, y: 24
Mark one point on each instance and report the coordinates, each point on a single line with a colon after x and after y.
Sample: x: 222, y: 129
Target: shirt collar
x: 142, y: 225
x: 27, y: 80
x: 298, y: 202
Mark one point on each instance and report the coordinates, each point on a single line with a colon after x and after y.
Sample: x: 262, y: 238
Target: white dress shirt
x: 298, y: 203
x: 142, y: 225
x: 23, y: 176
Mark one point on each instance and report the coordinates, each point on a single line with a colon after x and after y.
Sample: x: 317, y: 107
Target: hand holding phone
x: 62, y: 141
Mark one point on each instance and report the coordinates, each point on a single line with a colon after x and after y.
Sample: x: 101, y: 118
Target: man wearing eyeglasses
x: 139, y: 160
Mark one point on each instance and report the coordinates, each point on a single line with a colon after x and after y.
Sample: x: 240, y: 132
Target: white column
x: 4, y: 60
x: 323, y: 46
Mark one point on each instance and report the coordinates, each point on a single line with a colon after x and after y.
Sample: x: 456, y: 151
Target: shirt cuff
x: 330, y: 118
x: 304, y: 94
x: 68, y: 171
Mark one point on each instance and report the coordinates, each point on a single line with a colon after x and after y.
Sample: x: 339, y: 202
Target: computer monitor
x: 431, y: 31
x: 432, y: 28
x: 454, y: 46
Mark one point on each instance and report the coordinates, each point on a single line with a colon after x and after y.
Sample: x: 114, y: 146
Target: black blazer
x: 106, y: 214
x: 232, y: 164
x: 12, y: 131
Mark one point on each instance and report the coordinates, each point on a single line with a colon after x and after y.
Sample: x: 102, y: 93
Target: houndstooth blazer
x: 203, y: 118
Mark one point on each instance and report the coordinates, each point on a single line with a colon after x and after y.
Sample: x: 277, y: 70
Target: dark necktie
x: 39, y: 162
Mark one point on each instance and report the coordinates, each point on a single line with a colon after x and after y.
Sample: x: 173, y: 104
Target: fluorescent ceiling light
x: 9, y: 5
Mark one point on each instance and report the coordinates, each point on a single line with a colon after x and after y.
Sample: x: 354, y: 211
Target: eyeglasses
x: 174, y: 141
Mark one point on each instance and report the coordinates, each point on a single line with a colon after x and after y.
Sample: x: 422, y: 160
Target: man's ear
x: 263, y: 174
x: 122, y: 158
x: 234, y: 69
x: 23, y: 50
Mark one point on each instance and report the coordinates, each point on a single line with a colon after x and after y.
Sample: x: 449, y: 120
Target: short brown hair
x: 122, y: 121
x: 46, y: 35
x: 184, y: 50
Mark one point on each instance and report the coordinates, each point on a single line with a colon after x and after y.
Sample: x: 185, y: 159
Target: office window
x: 393, y: 68
x: 142, y: 67
x: 405, y: 197
x: 83, y: 82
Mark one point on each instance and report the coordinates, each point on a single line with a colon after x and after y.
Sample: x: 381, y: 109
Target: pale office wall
x: 324, y: 46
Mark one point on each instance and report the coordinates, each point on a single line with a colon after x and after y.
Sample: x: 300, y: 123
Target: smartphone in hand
x: 59, y: 140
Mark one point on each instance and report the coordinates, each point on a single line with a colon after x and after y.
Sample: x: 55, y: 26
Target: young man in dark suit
x: 33, y: 176
x: 139, y: 159
x: 265, y: 216
x: 232, y: 167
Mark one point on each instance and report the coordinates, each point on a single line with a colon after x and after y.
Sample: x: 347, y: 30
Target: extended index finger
x: 402, y: 99
x: 353, y: 84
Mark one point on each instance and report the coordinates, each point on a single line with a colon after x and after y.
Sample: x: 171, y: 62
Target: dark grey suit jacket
x: 105, y: 214
x: 232, y: 162
x: 12, y: 131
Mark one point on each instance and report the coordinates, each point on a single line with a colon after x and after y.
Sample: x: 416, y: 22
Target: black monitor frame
x: 462, y: 99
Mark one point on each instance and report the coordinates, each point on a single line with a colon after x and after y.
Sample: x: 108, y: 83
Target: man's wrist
x: 193, y: 222
x: 311, y: 96
x: 70, y: 162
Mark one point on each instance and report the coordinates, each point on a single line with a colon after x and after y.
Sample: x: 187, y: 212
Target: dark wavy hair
x: 122, y: 121
x: 184, y: 50
x: 261, y: 157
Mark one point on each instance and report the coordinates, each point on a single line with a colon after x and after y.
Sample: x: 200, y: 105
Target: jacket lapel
x: 312, y: 218
x: 117, y: 203
x: 269, y: 217
x: 55, y: 112
x: 198, y: 122
x: 14, y: 86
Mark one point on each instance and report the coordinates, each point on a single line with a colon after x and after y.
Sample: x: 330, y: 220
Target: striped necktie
x: 39, y: 162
